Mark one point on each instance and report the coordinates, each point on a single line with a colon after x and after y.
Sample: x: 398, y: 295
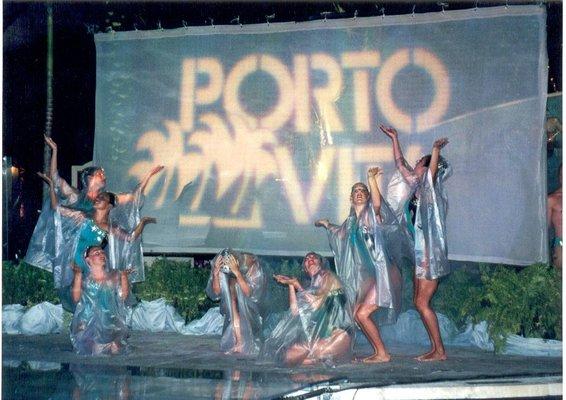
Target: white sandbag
x: 410, y: 329
x: 521, y: 346
x: 156, y: 316
x: 211, y: 323
x: 44, y: 366
x: 11, y: 318
x: 474, y: 335
x: 42, y: 318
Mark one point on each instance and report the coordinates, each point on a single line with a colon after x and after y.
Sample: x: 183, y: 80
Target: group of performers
x: 377, y: 237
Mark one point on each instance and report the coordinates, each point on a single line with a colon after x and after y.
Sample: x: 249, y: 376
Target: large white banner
x: 273, y: 123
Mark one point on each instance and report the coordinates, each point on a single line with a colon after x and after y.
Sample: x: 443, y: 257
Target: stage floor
x: 173, y: 366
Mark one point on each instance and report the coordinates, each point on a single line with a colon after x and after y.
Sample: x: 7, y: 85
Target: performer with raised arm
x: 99, y: 320
x: 370, y: 276
x: 79, y: 230
x: 318, y: 326
x: 426, y: 183
x: 43, y: 248
x: 239, y: 282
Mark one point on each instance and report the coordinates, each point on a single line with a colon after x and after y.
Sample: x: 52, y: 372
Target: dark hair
x: 316, y: 255
x: 442, y: 164
x: 111, y: 198
x: 351, y: 193
x: 96, y: 246
x: 86, y: 173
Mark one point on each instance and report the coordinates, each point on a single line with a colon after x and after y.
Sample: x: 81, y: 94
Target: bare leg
x: 362, y: 314
x: 557, y: 257
x: 335, y: 346
x: 296, y: 354
x: 238, y: 345
x: 424, y: 290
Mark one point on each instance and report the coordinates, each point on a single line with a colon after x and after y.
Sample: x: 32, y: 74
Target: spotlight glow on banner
x: 263, y: 129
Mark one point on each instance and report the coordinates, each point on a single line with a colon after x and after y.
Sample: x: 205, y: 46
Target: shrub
x: 180, y: 283
x: 27, y: 285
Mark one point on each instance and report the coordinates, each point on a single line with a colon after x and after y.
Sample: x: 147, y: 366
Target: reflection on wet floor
x: 47, y: 380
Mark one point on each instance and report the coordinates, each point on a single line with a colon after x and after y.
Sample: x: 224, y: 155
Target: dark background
x: 74, y: 74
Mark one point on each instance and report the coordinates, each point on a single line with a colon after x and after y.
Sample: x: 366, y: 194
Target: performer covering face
x: 370, y: 275
x: 318, y: 326
x: 99, y: 321
x: 238, y: 281
x: 426, y: 183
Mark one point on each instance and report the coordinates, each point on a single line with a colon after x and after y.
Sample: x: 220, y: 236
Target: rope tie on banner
x: 269, y: 18
x: 212, y: 22
x: 441, y: 4
x: 325, y: 14
x: 236, y: 20
x: 355, y: 14
x: 476, y: 6
x: 135, y: 27
x: 382, y: 9
x: 185, y: 25
x: 159, y: 25
x: 506, y: 4
x: 413, y: 13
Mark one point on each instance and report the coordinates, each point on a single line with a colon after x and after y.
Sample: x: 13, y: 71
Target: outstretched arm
x: 128, y: 197
x: 66, y: 189
x: 436, y: 147
x: 400, y: 162
x: 140, y: 227
x: 52, y: 195
x: 373, y: 173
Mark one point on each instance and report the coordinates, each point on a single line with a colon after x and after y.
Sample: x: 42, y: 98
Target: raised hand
x: 389, y: 131
x: 440, y: 143
x: 148, y: 220
x: 322, y: 223
x: 46, y: 178
x: 374, y: 171
x: 50, y: 143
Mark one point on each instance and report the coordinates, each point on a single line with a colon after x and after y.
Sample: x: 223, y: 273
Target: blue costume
x: 99, y: 320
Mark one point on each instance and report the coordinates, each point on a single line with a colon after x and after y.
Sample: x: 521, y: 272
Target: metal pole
x: 49, y: 94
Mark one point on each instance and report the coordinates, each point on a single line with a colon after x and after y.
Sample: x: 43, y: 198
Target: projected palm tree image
x: 246, y: 154
x: 167, y: 149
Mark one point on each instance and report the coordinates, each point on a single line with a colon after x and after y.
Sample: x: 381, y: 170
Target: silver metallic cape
x: 99, y: 320
x: 55, y: 239
x: 246, y: 307
x: 362, y: 259
x: 430, y: 248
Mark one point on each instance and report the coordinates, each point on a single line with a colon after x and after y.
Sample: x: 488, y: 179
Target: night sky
x: 74, y: 80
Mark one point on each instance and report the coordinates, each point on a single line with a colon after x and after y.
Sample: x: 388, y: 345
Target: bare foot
x: 432, y: 356
x: 239, y: 348
x: 419, y: 358
x: 377, y: 358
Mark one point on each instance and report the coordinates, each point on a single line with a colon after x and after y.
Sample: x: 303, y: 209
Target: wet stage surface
x: 173, y: 366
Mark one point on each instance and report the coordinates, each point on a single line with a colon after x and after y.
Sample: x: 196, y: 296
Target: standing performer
x: 554, y: 217
x: 238, y: 281
x: 99, y: 321
x: 369, y: 274
x: 426, y: 183
x: 318, y: 326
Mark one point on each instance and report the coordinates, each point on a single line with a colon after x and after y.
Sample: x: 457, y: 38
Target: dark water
x: 42, y: 380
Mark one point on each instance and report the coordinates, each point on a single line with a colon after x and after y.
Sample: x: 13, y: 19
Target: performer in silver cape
x: 50, y: 246
x: 368, y: 271
x: 83, y: 230
x: 239, y: 282
x: 426, y: 183
x: 318, y: 326
x: 99, y: 320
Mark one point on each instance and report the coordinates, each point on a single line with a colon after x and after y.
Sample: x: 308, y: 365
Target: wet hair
x: 111, y: 197
x: 86, y: 173
x: 353, y: 187
x: 320, y: 259
x: 442, y: 164
x: 97, y: 246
